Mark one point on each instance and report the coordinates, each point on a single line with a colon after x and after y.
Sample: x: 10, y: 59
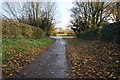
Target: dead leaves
x: 19, y: 60
x: 94, y: 59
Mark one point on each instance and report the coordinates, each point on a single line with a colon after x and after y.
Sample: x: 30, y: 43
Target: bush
x: 15, y: 30
x: 90, y: 35
x: 111, y: 33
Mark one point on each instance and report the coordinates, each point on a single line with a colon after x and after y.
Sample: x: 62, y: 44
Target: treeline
x: 91, y: 20
x: 39, y: 14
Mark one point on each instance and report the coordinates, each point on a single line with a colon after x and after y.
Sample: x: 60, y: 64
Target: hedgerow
x: 15, y: 30
x: 109, y: 33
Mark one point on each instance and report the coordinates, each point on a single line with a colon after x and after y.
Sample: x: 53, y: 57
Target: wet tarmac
x: 51, y: 64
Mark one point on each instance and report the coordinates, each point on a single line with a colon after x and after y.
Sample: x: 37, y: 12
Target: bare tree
x: 93, y: 14
x: 49, y: 13
x: 39, y: 14
x: 13, y: 10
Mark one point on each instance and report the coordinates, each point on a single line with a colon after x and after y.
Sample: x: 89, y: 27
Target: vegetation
x: 91, y: 15
x: 15, y: 30
x: 25, y: 26
x: 111, y: 33
x: 39, y: 14
x: 93, y: 59
x: 53, y: 31
x: 89, y: 20
x: 89, y: 35
x: 18, y: 53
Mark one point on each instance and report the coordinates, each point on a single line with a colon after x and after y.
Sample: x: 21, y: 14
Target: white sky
x: 64, y: 12
x: 0, y: 5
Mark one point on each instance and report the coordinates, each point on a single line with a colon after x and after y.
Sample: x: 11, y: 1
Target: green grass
x: 0, y: 57
x: 77, y: 41
x: 21, y: 49
x: 8, y: 46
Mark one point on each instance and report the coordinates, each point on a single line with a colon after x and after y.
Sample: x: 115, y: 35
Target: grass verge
x: 93, y: 59
x: 18, y: 53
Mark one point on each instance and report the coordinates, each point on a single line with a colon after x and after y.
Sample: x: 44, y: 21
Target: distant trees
x: 53, y: 31
x: 39, y: 14
x: 90, y: 15
x: 69, y: 32
x: 60, y: 30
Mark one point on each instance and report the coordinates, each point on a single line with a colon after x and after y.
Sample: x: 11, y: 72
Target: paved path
x: 51, y: 64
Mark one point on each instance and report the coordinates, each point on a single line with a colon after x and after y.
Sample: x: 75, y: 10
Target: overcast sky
x: 64, y: 13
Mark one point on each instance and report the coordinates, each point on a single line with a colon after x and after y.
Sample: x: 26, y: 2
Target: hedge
x: 111, y: 32
x: 89, y: 35
x: 15, y: 30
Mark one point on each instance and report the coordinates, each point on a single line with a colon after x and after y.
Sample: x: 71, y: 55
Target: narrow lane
x: 51, y: 64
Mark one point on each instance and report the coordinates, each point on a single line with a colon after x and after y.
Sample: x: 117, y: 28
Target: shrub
x: 111, y: 32
x: 15, y: 30
x: 90, y: 35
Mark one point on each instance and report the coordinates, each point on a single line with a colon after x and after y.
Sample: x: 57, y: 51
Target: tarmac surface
x: 51, y: 64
